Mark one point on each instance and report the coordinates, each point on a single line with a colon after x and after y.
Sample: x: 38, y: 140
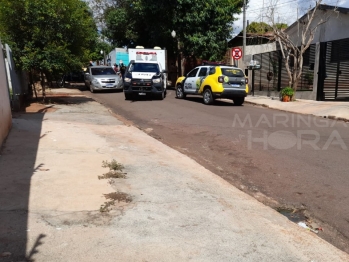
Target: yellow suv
x: 214, y: 81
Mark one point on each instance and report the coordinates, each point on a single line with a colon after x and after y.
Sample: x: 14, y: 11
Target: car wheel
x: 208, y: 97
x: 128, y: 96
x: 161, y: 96
x: 239, y: 101
x: 180, y: 92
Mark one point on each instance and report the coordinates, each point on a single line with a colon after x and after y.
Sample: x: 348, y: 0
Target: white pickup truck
x: 146, y: 73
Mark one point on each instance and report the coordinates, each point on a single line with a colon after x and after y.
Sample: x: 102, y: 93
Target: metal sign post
x: 269, y: 77
x: 254, y: 65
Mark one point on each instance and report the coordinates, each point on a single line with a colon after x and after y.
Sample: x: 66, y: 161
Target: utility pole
x: 244, y: 31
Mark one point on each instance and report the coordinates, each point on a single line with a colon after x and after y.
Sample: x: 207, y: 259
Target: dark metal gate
x: 270, y: 62
x: 333, y: 81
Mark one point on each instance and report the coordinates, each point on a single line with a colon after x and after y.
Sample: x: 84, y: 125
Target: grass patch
x: 112, y: 174
x: 113, y: 165
x: 115, y: 170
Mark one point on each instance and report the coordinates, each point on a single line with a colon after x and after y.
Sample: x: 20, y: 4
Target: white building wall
x: 335, y: 28
x: 249, y: 52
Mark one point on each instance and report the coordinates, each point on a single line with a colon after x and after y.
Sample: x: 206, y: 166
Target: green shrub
x: 287, y: 91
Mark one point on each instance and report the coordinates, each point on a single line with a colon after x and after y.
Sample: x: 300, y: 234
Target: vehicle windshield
x: 232, y: 72
x: 144, y: 67
x: 98, y: 71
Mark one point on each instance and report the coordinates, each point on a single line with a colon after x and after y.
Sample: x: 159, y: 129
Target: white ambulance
x: 146, y: 73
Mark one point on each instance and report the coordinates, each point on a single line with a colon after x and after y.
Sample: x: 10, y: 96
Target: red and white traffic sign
x: 237, y: 53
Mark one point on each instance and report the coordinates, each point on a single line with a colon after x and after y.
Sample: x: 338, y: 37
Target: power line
x: 281, y: 15
x: 276, y: 5
x: 259, y: 15
x: 334, y: 2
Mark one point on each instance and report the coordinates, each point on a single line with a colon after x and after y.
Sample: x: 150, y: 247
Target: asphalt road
x: 284, y: 160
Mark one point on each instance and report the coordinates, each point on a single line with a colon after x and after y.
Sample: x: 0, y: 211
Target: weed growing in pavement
x: 115, y: 170
x: 113, y: 165
x: 112, y: 174
x: 119, y: 196
x: 106, y: 206
x: 113, y: 197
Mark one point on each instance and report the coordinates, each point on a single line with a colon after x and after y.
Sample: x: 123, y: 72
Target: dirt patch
x: 113, y: 197
x: 40, y: 108
x: 119, y: 196
x: 293, y: 214
x: 52, y: 101
x: 82, y: 218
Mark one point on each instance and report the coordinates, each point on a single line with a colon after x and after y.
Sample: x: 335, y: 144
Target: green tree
x: 202, y: 27
x: 120, y: 24
x: 281, y: 26
x: 100, y: 46
x: 48, y: 36
x: 259, y: 28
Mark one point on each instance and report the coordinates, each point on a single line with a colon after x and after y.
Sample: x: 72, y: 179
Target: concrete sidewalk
x: 168, y: 208
x: 333, y: 110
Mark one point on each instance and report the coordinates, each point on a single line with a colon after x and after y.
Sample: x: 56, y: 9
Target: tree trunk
x: 32, y: 85
x: 43, y: 86
x: 293, y: 49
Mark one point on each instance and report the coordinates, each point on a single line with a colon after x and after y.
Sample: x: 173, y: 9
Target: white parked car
x: 102, y: 78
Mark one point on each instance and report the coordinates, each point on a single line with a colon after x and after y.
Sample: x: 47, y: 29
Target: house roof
x: 325, y: 7
x: 268, y: 36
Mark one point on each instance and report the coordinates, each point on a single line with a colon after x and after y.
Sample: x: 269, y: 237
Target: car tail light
x: 221, y: 79
x: 246, y: 80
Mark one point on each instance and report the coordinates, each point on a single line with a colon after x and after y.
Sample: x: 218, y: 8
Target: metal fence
x: 274, y: 63
x: 17, y: 81
x: 5, y: 108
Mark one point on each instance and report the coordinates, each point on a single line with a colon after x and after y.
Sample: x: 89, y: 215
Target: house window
x: 203, y: 71
x: 193, y: 72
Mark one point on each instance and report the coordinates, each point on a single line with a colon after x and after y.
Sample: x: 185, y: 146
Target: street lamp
x: 179, y: 60
x: 102, y: 52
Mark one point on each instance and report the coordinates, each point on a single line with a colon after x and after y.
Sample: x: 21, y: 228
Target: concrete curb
x: 330, y: 116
